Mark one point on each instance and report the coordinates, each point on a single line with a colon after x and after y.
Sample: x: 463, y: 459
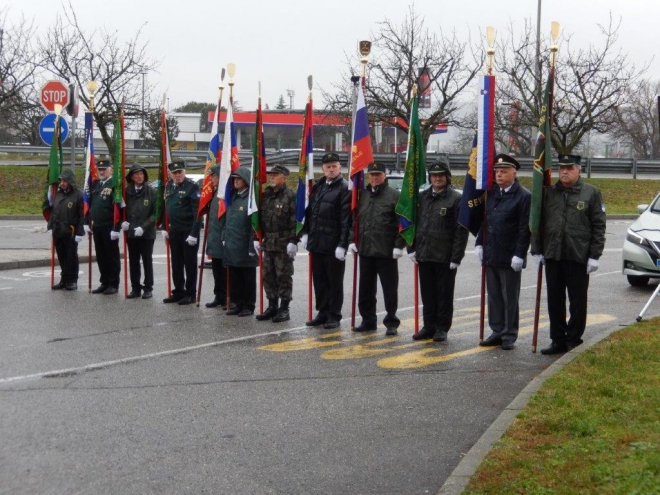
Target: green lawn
x: 593, y: 428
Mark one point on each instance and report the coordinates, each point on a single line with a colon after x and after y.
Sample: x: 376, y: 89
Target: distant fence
x: 631, y: 166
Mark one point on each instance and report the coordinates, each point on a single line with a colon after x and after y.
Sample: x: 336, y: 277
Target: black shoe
x: 282, y: 315
x: 246, y: 312
x: 268, y: 314
x: 391, y: 331
x: 331, y: 324
x: 554, y: 348
x: 491, y: 341
x: 172, y: 299
x: 71, y: 286
x: 364, y: 328
x: 440, y: 336
x: 110, y: 291
x: 133, y: 294
x: 570, y: 347
x: 58, y: 286
x: 147, y: 294
x: 317, y: 321
x: 507, y: 346
x: 233, y: 311
x: 424, y: 334
x: 213, y: 304
x: 184, y: 301
x: 100, y: 289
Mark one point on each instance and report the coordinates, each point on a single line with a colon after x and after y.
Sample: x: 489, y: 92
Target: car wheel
x: 637, y: 281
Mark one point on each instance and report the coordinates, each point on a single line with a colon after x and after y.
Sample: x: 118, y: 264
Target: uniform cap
x: 330, y: 157
x: 279, y: 169
x: 568, y: 160
x: 375, y: 168
x: 103, y: 164
x: 502, y: 161
x: 177, y: 165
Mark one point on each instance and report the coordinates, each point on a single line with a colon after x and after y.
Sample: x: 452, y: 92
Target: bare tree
x: 398, y: 53
x: 79, y: 56
x: 638, y: 120
x: 590, y: 85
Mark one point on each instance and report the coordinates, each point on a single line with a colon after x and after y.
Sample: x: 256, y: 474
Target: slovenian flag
x: 361, y: 151
x: 213, y: 157
x: 229, y: 162
x: 305, y: 168
x: 485, y: 133
x: 91, y: 172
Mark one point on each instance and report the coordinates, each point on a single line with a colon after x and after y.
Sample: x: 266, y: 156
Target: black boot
x: 282, y: 313
x: 424, y: 334
x: 271, y: 311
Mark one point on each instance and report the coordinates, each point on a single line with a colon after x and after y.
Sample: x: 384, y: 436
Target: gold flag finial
x: 92, y: 87
x: 231, y: 70
x: 490, y: 39
x: 365, y: 49
x: 554, y: 47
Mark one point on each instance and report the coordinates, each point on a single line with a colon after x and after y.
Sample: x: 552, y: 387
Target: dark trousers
x: 328, y: 278
x: 561, y: 277
x: 243, y: 287
x: 387, y: 270
x: 219, y: 280
x: 143, y: 249
x: 436, y: 282
x: 503, y: 284
x: 184, y: 265
x: 107, y: 256
x: 67, y: 255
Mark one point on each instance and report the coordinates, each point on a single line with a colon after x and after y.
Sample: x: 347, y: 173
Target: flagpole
x: 165, y: 173
x: 554, y: 33
x: 92, y: 86
x: 259, y: 232
x: 310, y: 257
x: 231, y: 70
x: 56, y: 137
x: 123, y: 193
x: 208, y: 217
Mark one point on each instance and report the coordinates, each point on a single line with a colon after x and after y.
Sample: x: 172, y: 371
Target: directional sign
x: 54, y: 93
x: 47, y: 129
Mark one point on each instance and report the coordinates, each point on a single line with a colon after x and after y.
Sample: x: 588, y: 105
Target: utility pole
x: 290, y: 93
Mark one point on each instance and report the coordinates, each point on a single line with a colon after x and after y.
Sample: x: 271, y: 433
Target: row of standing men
x: 573, y: 222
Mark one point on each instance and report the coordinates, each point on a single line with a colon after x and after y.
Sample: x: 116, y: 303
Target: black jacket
x: 140, y: 210
x: 507, y: 224
x: 439, y: 237
x: 328, y: 216
x: 67, y: 216
x: 379, y: 225
x: 102, y: 203
x: 182, y: 203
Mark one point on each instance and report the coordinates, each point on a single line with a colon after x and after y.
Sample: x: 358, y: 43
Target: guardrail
x: 632, y: 166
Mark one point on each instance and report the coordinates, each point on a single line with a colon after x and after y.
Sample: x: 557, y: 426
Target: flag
x: 163, y: 173
x: 485, y: 133
x: 54, y: 170
x: 471, y: 213
x: 413, y: 178
x: 305, y: 167
x: 361, y: 151
x: 213, y: 157
x: 91, y: 172
x: 119, y: 170
x: 542, y: 171
x: 259, y: 173
x: 229, y: 162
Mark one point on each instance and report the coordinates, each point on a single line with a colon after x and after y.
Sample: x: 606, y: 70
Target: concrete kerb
x: 458, y: 480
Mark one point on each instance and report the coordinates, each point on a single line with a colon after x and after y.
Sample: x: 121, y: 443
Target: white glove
x: 352, y: 248
x: 397, y: 253
x: 516, y: 263
x: 340, y: 253
x: 49, y: 232
x: 413, y: 256
x: 165, y: 233
x: 125, y: 225
x: 87, y: 230
x: 257, y: 246
x: 303, y: 240
x: 453, y: 266
x: 592, y: 265
x: 291, y: 250
x: 539, y: 259
x: 192, y: 241
x: 479, y: 253
x: 114, y: 235
x: 79, y: 238
x: 138, y: 231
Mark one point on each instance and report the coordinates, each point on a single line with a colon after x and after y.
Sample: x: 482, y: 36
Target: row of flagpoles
x: 478, y: 179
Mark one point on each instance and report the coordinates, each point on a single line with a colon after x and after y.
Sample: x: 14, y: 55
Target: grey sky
x: 280, y: 42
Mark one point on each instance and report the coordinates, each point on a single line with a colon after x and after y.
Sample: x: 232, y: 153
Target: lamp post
x: 144, y: 72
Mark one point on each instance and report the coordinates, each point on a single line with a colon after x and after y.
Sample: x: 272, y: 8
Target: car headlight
x: 635, y: 238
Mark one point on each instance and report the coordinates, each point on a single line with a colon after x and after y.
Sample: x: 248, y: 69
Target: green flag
x: 414, y: 177
x: 118, y: 170
x: 259, y: 173
x: 54, y: 170
x: 542, y: 172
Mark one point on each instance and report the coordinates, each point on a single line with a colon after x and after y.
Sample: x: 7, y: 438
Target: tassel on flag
x: 305, y: 168
x: 361, y: 151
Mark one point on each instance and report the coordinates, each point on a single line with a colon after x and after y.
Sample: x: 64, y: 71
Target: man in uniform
x: 439, y: 248
x: 573, y: 241
x: 214, y: 247
x: 278, y: 224
x: 65, y: 225
x: 503, y: 250
x: 141, y: 228
x: 181, y: 203
x: 325, y: 236
x: 106, y: 237
x: 379, y: 247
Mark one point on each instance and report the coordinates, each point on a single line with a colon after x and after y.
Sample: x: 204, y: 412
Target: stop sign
x: 54, y: 93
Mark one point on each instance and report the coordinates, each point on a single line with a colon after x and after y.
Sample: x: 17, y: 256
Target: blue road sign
x: 47, y: 129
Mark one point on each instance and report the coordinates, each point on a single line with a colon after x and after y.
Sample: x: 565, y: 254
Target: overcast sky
x: 280, y: 42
